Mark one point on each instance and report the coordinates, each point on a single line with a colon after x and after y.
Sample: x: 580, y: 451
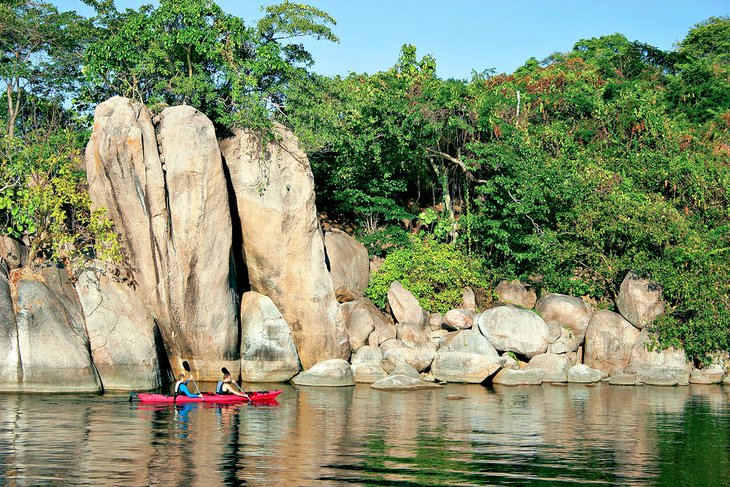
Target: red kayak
x: 260, y: 396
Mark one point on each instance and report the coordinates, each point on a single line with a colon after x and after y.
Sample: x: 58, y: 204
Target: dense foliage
x: 567, y: 173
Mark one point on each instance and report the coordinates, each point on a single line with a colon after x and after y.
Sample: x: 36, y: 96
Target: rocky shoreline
x: 226, y: 265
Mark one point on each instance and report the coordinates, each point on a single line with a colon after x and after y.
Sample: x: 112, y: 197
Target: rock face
x: 514, y: 329
x: 609, y: 341
x: 330, y: 373
x: 125, y: 176
x: 349, y: 265
x: 122, y: 334
x: 404, y: 306
x: 274, y: 190
x: 666, y: 367
x: 554, y: 365
x: 362, y: 318
x: 10, y: 371
x: 268, y: 353
x: 202, y: 300
x: 639, y: 300
x: 167, y: 195
x: 571, y: 312
x: 54, y: 355
x: 515, y: 292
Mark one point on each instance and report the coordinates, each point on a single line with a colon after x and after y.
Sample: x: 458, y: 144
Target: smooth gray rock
x: 368, y: 373
x: 571, y: 312
x: 435, y: 321
x: 517, y: 293
x: 349, y: 265
x: 469, y: 299
x: 555, y: 366
x: 122, y: 334
x: 468, y: 341
x: 403, y: 383
x: 622, y: 379
x: 367, y: 354
x: 283, y: 242
x: 404, y: 306
x: 419, y: 359
x: 268, y: 353
x: 362, y: 318
x: 464, y: 367
x: 54, y: 355
x: 329, y: 373
x: 609, y: 341
x: 510, y: 328
x: 458, y: 319
x: 639, y: 300
x: 521, y: 377
x: 414, y: 336
x: 10, y: 370
x: 583, y: 374
x: 405, y: 369
x: 666, y: 367
x: 711, y: 375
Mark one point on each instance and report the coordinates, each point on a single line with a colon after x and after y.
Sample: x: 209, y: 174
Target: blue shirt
x: 183, y: 389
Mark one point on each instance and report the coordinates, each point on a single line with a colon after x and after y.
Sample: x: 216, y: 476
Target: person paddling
x: 182, y: 388
x: 225, y: 386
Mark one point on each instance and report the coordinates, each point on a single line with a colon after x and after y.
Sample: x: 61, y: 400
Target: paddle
x: 186, y: 366
x: 225, y: 372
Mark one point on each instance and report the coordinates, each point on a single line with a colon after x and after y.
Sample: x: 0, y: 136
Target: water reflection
x: 572, y: 434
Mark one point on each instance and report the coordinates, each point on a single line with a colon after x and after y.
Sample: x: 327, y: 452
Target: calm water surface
x: 548, y: 435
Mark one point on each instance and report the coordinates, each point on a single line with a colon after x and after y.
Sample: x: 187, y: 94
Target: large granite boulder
x: 54, y: 355
x: 639, y: 300
x: 608, y: 342
x: 282, y: 240
x: 122, y: 335
x: 362, y: 318
x: 468, y: 341
x: 555, y: 366
x: 10, y: 370
x: 349, y: 265
x: 366, y: 365
x: 514, y: 329
x: 329, y: 373
x: 519, y: 377
x: 419, y: 359
x: 658, y: 367
x: 125, y: 176
x: 268, y: 353
x: 458, y: 319
x: 571, y: 312
x: 515, y: 292
x: 414, y: 336
x: 203, y: 301
x: 11, y: 252
x: 464, y: 366
x: 582, y: 374
x: 404, y: 306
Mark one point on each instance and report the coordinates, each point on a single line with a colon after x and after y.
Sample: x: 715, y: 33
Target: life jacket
x: 219, y: 388
x: 177, y: 387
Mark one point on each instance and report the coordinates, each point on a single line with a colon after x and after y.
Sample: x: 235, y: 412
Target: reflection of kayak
x: 260, y: 396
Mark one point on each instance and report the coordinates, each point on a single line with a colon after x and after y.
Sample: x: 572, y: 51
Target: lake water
x: 546, y: 435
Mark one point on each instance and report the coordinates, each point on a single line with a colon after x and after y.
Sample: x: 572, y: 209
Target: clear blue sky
x: 466, y: 35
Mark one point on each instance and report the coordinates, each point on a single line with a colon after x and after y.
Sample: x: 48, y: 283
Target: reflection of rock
x: 330, y: 373
x: 54, y: 355
x: 122, y: 334
x: 514, y: 329
x: 282, y: 240
x: 403, y: 382
x: 349, y: 265
x: 639, y: 300
x: 268, y: 353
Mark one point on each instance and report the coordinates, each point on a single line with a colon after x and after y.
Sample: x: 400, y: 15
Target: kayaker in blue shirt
x: 182, y: 388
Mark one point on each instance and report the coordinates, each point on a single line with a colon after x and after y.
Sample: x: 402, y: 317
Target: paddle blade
x: 225, y: 371
x: 186, y: 365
